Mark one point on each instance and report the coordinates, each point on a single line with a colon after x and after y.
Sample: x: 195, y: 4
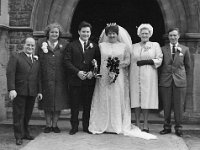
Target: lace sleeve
x: 126, y: 61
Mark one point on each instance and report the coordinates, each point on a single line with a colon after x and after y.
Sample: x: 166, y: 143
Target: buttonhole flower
x: 44, y: 47
x: 90, y: 46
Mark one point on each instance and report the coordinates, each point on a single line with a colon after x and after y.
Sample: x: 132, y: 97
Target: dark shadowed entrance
x: 127, y: 13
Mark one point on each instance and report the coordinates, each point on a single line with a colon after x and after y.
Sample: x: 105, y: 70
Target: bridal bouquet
x: 113, y: 66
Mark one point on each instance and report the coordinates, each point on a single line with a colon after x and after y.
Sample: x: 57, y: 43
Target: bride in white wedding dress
x: 110, y: 109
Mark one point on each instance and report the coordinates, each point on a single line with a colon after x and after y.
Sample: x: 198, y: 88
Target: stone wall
x: 3, y: 62
x: 19, y: 22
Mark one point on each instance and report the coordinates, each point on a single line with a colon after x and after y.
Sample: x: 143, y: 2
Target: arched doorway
x: 127, y: 13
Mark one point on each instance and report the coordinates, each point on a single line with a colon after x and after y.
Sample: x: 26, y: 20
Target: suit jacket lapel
x: 87, y: 46
x: 168, y: 51
x: 177, y: 53
x: 57, y: 46
x: 27, y: 59
x: 80, y: 46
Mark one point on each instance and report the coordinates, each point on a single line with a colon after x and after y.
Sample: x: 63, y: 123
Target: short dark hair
x: 51, y: 26
x: 174, y: 29
x: 112, y: 28
x: 84, y: 24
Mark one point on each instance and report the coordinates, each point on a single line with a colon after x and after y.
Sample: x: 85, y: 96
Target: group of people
x: 105, y: 80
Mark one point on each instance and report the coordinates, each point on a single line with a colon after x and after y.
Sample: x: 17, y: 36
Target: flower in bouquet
x: 113, y: 66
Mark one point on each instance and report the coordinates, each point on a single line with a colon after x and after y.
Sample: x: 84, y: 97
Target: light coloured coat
x: 144, y: 79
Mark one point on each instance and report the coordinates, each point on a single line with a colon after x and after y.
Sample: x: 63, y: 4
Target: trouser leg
x: 179, y: 97
x: 18, y: 116
x: 29, y: 104
x: 86, y: 101
x: 75, y: 104
x: 166, y: 96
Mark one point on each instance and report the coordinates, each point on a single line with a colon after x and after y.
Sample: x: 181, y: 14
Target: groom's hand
x: 82, y: 75
x: 90, y: 75
x: 12, y: 94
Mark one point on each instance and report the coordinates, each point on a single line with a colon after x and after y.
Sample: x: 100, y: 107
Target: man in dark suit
x: 78, y: 59
x: 23, y: 87
x: 173, y: 80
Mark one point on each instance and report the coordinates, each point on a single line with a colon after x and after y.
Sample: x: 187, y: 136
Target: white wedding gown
x: 110, y: 109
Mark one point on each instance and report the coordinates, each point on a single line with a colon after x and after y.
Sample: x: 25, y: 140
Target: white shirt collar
x: 82, y: 42
x: 29, y: 55
x: 171, y: 45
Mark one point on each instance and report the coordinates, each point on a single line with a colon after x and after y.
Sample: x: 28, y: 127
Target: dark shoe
x: 179, y: 133
x: 55, y: 129
x: 19, y: 141
x: 73, y: 131
x: 28, y: 137
x: 165, y: 131
x: 47, y: 129
x: 146, y: 130
x: 87, y: 131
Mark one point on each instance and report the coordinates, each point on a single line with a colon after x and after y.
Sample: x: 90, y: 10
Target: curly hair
x: 52, y: 26
x: 111, y: 28
x: 145, y: 26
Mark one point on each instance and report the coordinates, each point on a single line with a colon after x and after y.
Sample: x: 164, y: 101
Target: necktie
x: 173, y: 51
x: 29, y: 56
x: 84, y: 45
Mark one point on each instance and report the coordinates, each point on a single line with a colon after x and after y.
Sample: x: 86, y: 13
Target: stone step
x: 154, y: 116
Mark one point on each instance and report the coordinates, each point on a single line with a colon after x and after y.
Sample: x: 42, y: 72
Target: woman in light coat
x: 146, y: 57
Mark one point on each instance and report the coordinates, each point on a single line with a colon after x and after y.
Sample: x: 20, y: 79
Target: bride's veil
x: 123, y: 37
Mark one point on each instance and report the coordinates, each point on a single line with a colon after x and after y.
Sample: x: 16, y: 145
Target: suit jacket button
x: 84, y: 62
x: 53, y: 55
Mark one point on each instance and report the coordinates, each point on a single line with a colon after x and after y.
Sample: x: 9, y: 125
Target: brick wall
x: 20, y: 12
x: 20, y: 15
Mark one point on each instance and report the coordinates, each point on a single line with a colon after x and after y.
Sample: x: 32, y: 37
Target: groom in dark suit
x: 23, y: 87
x: 78, y: 60
x: 173, y: 80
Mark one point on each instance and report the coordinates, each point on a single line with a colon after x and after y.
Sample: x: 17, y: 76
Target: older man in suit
x: 78, y: 61
x: 173, y: 80
x: 23, y: 87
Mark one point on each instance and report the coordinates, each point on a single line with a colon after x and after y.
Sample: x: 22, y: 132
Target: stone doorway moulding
x: 175, y: 14
x: 61, y: 11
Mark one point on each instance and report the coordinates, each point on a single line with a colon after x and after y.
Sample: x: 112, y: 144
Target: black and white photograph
x: 99, y: 74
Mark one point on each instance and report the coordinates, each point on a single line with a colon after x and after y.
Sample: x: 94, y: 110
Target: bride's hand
x: 111, y: 76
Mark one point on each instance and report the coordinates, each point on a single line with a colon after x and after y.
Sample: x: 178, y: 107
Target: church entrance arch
x: 127, y: 13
